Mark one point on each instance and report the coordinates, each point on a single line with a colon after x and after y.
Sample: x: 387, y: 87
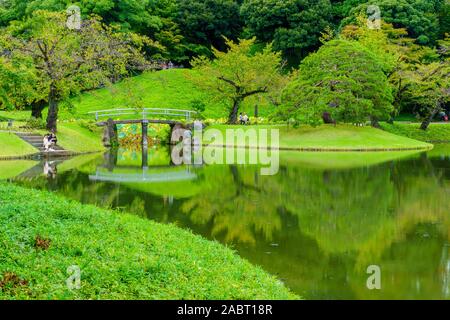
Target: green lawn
x: 13, y: 146
x: 120, y: 256
x: 73, y: 137
x: 437, y: 132
x: 335, y: 138
x: 14, y: 115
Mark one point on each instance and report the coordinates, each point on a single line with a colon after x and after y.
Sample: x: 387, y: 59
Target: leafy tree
x: 16, y: 85
x: 294, y: 26
x: 206, y: 22
x: 430, y: 88
x: 67, y: 61
x: 344, y: 80
x: 418, y: 76
x: 342, y: 8
x: 419, y: 17
x: 238, y: 74
x: 184, y: 28
x: 399, y: 54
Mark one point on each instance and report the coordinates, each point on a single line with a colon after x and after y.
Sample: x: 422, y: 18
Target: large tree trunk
x: 232, y: 118
x: 374, y: 122
x: 328, y: 119
x: 52, y: 117
x: 37, y: 107
x: 426, y: 123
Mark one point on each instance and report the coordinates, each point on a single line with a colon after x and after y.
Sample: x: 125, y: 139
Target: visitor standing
x: 245, y: 119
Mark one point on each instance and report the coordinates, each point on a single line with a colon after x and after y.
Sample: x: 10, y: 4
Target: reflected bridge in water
x: 166, y: 174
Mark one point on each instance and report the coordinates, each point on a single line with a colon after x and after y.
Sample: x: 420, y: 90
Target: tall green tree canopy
x: 294, y: 26
x: 206, y: 22
x: 343, y: 79
x: 184, y: 28
x: 238, y: 74
x: 147, y: 17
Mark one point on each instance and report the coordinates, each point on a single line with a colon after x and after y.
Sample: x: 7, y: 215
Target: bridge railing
x: 145, y: 113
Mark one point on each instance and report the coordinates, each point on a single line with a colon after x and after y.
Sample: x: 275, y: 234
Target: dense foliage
x: 344, y: 80
x: 294, y: 26
x: 422, y: 18
x: 238, y: 74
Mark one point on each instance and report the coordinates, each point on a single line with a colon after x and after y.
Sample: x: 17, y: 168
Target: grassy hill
x: 161, y: 89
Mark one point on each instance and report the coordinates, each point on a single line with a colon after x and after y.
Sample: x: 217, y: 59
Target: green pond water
x: 317, y: 225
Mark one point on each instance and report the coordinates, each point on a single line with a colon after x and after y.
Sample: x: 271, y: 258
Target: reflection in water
x: 317, y: 229
x: 50, y: 169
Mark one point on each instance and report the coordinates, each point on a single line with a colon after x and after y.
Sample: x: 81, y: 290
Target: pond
x: 317, y: 225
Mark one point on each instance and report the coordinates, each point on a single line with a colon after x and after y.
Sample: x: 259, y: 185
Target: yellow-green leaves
x: 238, y: 74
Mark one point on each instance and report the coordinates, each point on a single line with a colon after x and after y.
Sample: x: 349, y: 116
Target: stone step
x: 33, y: 139
x: 24, y: 135
x: 56, y: 153
x: 37, y: 141
x: 54, y: 148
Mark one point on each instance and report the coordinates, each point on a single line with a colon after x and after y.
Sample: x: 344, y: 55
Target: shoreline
x: 320, y: 150
x: 300, y: 149
x: 40, y: 156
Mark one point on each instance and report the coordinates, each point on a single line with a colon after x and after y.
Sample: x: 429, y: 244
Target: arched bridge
x: 113, y: 117
x: 156, y: 115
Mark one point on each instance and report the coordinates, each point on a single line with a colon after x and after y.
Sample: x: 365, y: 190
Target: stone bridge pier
x: 178, y: 132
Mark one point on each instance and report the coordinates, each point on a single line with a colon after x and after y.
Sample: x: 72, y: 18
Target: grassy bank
x: 120, y: 256
x: 335, y: 138
x: 12, y: 146
x: 437, y: 132
x: 76, y: 137
x: 72, y: 136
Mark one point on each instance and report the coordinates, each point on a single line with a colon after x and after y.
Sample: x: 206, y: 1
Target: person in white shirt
x: 245, y: 119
